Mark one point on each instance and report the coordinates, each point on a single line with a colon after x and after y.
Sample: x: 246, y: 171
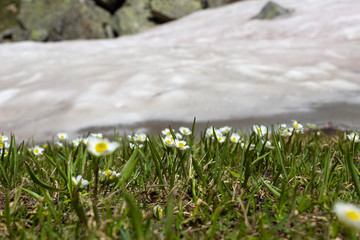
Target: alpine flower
x: 353, y: 136
x: 101, y: 147
x: 260, y: 130
x: 181, y: 144
x: 140, y: 137
x: 37, y: 150
x: 235, y: 138
x: 166, y: 131
x: 97, y: 135
x: 348, y: 214
x: 79, y: 179
x: 225, y: 130
x: 169, y: 141
x: 3, y: 138
x: 185, y: 131
x: 62, y: 136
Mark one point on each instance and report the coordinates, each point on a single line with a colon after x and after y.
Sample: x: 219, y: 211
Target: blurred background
x: 78, y: 66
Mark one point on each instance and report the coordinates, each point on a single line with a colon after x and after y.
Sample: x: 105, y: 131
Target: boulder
x: 64, y: 20
x: 272, y: 10
x: 167, y: 10
x: 135, y: 16
x: 14, y: 34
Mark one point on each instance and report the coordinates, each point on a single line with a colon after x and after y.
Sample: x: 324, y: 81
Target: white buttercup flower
x: 62, y: 136
x: 80, y: 179
x: 260, y: 130
x: 235, y: 138
x: 349, y: 214
x: 140, y: 137
x: 4, y: 144
x: 166, y: 131
x: 101, y: 147
x: 37, y: 150
x: 3, y: 138
x: 225, y: 130
x: 353, y: 136
x: 181, y: 144
x: 185, y: 131
x: 169, y: 141
x: 97, y: 135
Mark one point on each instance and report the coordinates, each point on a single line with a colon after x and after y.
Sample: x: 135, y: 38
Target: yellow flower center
x: 1, y: 144
x: 296, y: 125
x: 139, y: 137
x: 353, y: 215
x: 259, y: 130
x: 181, y: 145
x: 1, y: 138
x: 61, y: 137
x: 168, y: 141
x: 107, y: 172
x: 101, y: 147
x: 36, y: 151
x: 234, y: 139
x: 160, y: 213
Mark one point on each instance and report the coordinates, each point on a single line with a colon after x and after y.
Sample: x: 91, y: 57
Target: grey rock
x: 14, y: 34
x: 63, y: 19
x: 167, y: 10
x: 272, y: 10
x: 134, y: 17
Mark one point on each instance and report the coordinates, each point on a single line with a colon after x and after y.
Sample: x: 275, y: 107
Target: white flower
x: 37, y: 150
x: 79, y: 179
x: 3, y: 138
x: 62, y: 136
x: 158, y: 212
x: 140, y: 137
x: 101, y: 147
x: 268, y: 144
x: 311, y: 126
x: 133, y: 146
x: 169, y: 141
x: 109, y: 174
x: 235, y: 138
x: 281, y: 126
x: 178, y: 136
x: 260, y: 130
x: 97, y: 135
x: 4, y: 144
x: 210, y: 131
x: 59, y: 144
x: 353, y: 136
x: 76, y: 141
x: 181, y: 144
x: 245, y: 146
x: 5, y: 153
x: 297, y: 126
x: 225, y: 130
x: 220, y: 138
x: 166, y: 131
x: 348, y: 214
x: 185, y: 131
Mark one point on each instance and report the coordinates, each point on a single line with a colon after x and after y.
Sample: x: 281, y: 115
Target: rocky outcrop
x: 135, y: 16
x: 272, y: 10
x: 56, y: 20
x: 167, y: 10
x: 64, y: 20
